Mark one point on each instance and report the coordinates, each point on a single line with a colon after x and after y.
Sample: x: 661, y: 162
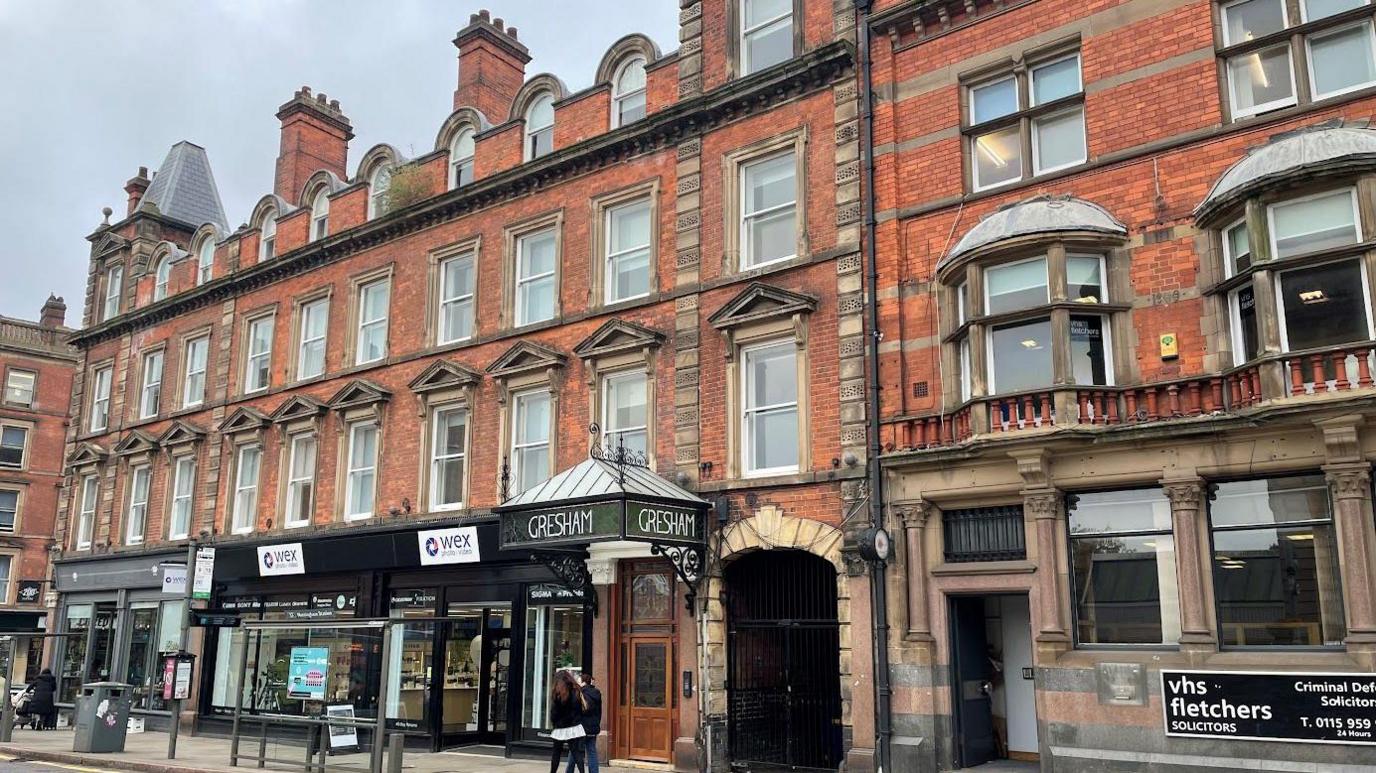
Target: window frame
x: 181, y: 464
x: 610, y: 259
x: 1271, y: 218
x: 435, y: 459
x: 533, y: 134
x: 745, y: 217
x: 619, y: 97
x: 302, y: 339
x: 84, y: 533
x: 205, y: 260
x: 27, y: 430
x: 378, y: 203
x: 606, y: 379
x: 11, y: 372
x: 1229, y: 259
x: 320, y: 215
x: 515, y: 448
x: 18, y: 492
x: 457, y: 164
x: 162, y: 278
x: 1281, y: 323
x: 1043, y: 258
x: 188, y: 373
x: 245, y: 522
x: 364, y: 326
x: 295, y: 484
x: 1236, y: 336
x: 101, y: 397
x: 519, y: 239
x: 137, y: 511
x: 251, y: 357
x: 1329, y: 32
x: 146, y: 385
x: 744, y: 33
x: 747, y: 411
x: 351, y: 511
x: 114, y: 291
x: 444, y: 304
x: 267, y: 236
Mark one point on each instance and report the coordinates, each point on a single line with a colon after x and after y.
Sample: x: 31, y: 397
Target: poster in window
x: 306, y: 673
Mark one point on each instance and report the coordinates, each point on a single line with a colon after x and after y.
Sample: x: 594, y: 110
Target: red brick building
x: 391, y: 347
x: 1125, y: 288
x: 37, y: 367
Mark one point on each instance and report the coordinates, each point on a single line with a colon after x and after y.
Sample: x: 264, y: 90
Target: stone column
x: 1047, y: 508
x: 1186, y: 496
x: 914, y: 517
x: 1350, y: 483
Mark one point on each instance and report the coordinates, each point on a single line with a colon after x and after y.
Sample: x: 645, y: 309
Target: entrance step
x: 641, y: 765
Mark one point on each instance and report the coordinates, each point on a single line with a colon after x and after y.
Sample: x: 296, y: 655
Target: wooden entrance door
x: 646, y: 705
x: 649, y: 718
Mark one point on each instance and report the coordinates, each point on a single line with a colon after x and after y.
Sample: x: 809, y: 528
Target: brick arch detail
x: 770, y: 529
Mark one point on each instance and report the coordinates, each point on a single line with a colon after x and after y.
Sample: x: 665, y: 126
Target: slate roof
x: 1040, y: 214
x: 183, y: 188
x: 597, y: 478
x: 1288, y: 154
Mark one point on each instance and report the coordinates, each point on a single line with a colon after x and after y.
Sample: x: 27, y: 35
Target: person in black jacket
x: 566, y: 717
x: 592, y: 721
x: 42, y: 703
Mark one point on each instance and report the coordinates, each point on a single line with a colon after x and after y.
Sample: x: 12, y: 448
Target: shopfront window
x: 155, y: 630
x: 1123, y: 562
x: 410, y: 675
x: 553, y: 641
x: 78, y: 626
x: 102, y: 653
x: 1275, y: 562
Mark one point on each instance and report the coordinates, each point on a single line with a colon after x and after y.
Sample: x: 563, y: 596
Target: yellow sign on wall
x: 1170, y: 346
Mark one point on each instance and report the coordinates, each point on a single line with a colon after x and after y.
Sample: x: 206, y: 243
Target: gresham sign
x: 584, y: 523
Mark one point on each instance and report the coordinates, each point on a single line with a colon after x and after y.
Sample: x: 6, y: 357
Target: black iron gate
x: 783, y: 662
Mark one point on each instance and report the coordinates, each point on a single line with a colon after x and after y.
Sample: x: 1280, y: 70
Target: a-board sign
x: 1270, y: 706
x: 342, y: 737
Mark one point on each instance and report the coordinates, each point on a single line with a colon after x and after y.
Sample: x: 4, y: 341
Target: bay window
x: 1122, y: 563
x: 1275, y: 563
x: 1324, y: 305
x: 1014, y: 286
x: 1311, y: 223
x: 360, y: 489
x: 769, y: 409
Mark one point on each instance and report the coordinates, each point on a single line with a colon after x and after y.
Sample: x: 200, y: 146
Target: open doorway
x: 993, y: 692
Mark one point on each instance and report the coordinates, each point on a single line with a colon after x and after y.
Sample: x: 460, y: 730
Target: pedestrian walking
x: 566, y: 707
x: 42, y: 703
x: 592, y: 721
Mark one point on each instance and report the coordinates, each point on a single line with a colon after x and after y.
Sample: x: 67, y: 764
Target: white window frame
x: 620, y: 97
x: 253, y: 358
x: 1108, y: 348
x: 205, y: 261
x: 1223, y: 18
x: 351, y: 508
x: 437, y: 459
x: 1264, y: 107
x: 747, y: 67
x: 517, y: 448
x: 1103, y: 278
x: 138, y: 509
x: 975, y: 183
x: 518, y: 308
x: 13, y: 528
x: 86, y: 512
x: 267, y: 237
x: 1229, y: 259
x: 377, y: 190
x: 365, y: 325
x: 183, y: 497
x: 451, y: 304
x: 150, y: 392
x: 989, y: 351
x: 609, y: 432
x: 296, y: 485
x: 1037, y: 168
x: 532, y: 131
x: 1235, y: 321
x: 748, y: 411
x: 23, y: 449
x: 610, y: 259
x: 305, y: 340
x: 1315, y: 96
x: 1046, y: 270
x: 457, y: 163
x: 32, y: 389
x: 114, y: 284
x: 974, y: 166
x: 190, y: 397
x: 102, y: 380
x: 1017, y: 97
x: 1032, y: 77
x: 162, y: 278
x: 1304, y: 10
x: 1271, y: 218
x: 244, y: 512
x: 747, y: 261
x: 1280, y: 299
x: 320, y: 215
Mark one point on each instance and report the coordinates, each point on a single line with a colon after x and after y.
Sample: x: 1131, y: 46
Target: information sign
x: 306, y: 673
x: 1270, y: 706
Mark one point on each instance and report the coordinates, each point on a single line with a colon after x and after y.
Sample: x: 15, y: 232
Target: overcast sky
x: 92, y: 90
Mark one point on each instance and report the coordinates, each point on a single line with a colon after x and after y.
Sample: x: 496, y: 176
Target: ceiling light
x: 1313, y: 296
x: 1259, y: 72
x: 1029, y: 343
x: 983, y: 144
x: 1234, y: 566
x: 1307, y: 536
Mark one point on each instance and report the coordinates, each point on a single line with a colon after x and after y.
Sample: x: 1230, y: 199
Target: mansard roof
x: 184, y: 189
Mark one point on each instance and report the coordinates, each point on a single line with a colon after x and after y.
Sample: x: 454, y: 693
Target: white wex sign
x: 287, y: 558
x: 448, y: 546
x: 174, y: 580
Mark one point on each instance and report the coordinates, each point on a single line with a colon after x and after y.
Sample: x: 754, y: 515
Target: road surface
x: 10, y: 764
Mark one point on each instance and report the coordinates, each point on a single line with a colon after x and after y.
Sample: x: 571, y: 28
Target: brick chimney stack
x: 315, y: 136
x: 136, y: 187
x: 54, y: 312
x: 492, y: 66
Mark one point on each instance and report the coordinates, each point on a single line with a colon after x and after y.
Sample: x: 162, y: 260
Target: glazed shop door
x: 649, y: 722
x: 645, y: 698
x: 473, y: 689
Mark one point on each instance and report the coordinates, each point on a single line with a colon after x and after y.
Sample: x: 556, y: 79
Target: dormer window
x: 540, y: 127
x: 461, y: 152
x: 162, y: 277
x: 205, y: 261
x: 320, y: 215
x: 267, y: 238
x: 628, y: 92
x: 378, y: 185
x: 766, y: 34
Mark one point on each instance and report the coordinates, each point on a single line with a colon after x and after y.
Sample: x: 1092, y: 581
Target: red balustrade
x: 1349, y: 369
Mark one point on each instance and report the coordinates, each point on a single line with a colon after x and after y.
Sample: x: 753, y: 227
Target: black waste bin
x: 102, y: 716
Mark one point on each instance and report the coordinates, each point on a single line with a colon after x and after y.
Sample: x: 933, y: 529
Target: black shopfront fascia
x: 369, y: 575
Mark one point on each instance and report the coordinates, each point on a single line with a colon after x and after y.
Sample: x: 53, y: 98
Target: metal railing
x: 317, y: 744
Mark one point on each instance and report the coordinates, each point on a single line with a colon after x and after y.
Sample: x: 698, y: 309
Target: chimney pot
x: 484, y: 15
x: 315, y: 136
x: 472, y: 18
x: 334, y: 104
x: 492, y: 66
x: 497, y: 22
x: 512, y: 32
x: 53, y: 313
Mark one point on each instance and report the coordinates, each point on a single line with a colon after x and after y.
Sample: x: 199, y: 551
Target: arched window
x: 267, y: 237
x: 461, y: 158
x: 378, y: 184
x: 162, y: 275
x: 628, y: 92
x: 320, y: 214
x: 540, y: 126
x: 205, y: 261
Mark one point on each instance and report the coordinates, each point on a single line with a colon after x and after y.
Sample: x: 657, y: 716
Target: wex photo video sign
x: 1269, y: 706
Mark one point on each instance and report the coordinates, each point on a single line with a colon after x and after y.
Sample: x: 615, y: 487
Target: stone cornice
x: 664, y: 129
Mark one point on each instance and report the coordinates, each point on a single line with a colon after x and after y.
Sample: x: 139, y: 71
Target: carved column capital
x: 914, y: 514
x: 1043, y: 505
x: 1184, y: 494
x: 1349, y: 481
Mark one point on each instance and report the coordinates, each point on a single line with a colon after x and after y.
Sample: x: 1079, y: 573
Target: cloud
x: 95, y: 90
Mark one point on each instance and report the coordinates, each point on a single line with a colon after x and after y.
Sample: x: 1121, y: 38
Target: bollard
x: 396, y: 745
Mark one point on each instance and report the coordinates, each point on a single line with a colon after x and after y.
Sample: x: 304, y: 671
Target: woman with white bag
x: 566, y: 707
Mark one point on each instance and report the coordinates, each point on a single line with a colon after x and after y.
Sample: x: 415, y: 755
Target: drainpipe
x: 879, y: 604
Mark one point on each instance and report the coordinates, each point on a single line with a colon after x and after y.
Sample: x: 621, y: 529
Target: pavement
x: 50, y: 751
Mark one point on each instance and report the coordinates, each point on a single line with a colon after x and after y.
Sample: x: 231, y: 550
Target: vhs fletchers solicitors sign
x: 581, y: 524
x: 1268, y: 706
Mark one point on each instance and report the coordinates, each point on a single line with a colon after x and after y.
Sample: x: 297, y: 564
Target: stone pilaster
x: 914, y: 516
x: 687, y: 317
x: 1353, y: 518
x: 1186, y: 496
x: 689, y: 48
x: 1046, y: 506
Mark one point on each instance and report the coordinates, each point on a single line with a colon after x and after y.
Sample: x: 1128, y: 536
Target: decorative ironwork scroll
x: 571, y: 569
x: 688, y: 565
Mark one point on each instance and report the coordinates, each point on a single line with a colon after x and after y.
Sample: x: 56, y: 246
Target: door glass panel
x: 462, y: 658
x: 141, y: 671
x: 102, y: 643
x: 651, y: 675
x: 408, y: 699
x: 553, y: 641
x: 651, y: 597
x: 497, y: 667
x: 74, y: 652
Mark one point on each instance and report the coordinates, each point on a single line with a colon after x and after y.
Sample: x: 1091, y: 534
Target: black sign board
x: 583, y: 524
x: 1270, y: 706
x: 211, y: 618
x: 29, y: 592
